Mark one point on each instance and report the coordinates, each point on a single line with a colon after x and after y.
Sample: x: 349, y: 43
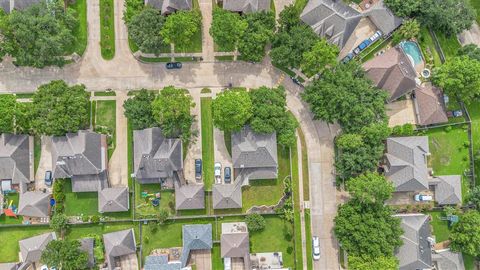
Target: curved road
x: 124, y: 72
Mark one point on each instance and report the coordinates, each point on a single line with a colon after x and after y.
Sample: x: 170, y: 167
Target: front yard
x: 207, y: 142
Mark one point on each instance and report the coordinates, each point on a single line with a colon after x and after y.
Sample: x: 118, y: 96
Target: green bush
x: 95, y: 219
x: 255, y: 222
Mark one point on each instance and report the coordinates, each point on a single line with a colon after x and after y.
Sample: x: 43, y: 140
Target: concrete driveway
x: 202, y: 259
x: 45, y: 163
x: 118, y: 163
x: 194, y: 150
x: 400, y: 112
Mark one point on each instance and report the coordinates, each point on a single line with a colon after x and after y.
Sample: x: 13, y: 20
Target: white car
x: 423, y: 198
x: 218, y: 172
x: 316, y: 248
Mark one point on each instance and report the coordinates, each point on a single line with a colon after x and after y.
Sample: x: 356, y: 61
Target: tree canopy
x: 465, y: 235
x: 459, y: 76
x: 231, y: 110
x: 258, y: 33
x: 138, y: 110
x: 7, y: 113
x: 227, y: 28
x: 321, y: 56
x: 144, y: 30
x: 368, y: 263
x: 65, y: 255
x: 180, y: 27
x: 410, y: 29
x: 370, y: 188
x: 255, y: 222
x: 470, y: 50
x: 171, y: 110
x: 58, y: 108
x: 40, y: 35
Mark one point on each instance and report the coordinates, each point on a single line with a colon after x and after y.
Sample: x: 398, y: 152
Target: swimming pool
x: 413, y: 51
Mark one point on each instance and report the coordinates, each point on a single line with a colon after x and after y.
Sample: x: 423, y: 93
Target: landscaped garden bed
x: 107, y: 29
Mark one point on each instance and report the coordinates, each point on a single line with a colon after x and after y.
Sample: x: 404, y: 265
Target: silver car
x: 316, y: 248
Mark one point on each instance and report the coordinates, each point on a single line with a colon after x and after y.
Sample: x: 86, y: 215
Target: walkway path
x: 118, y: 163
x: 207, y: 40
x: 302, y: 202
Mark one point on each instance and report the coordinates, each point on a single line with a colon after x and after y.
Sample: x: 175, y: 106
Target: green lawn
x: 130, y: 154
x: 37, y: 151
x: 449, y: 44
x: 105, y: 117
x: 440, y: 227
x: 207, y: 142
x: 428, y: 47
x: 449, y: 154
x: 80, y: 32
x: 476, y: 5
x: 217, y: 261
x: 104, y: 94
x: 306, y: 182
x: 11, y: 220
x: 24, y: 95
x: 9, y: 238
x: 144, y: 207
x: 224, y: 58
x: 107, y: 29
x: 296, y: 199
x: 80, y: 203
x: 194, y: 47
x: 308, y: 233
x: 474, y: 111
x: 81, y: 231
x: 155, y: 60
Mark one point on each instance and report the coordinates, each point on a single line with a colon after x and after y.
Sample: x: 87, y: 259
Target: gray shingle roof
x: 87, y: 245
x: 9, y: 5
x: 195, y: 237
x: 383, y: 18
x: 448, y: 260
x: 169, y: 6
x: 189, y: 197
x: 114, y: 199
x: 82, y: 157
x: 9, y: 266
x: 253, y: 150
x: 119, y: 244
x: 160, y: 262
x: 155, y: 156
x: 406, y: 162
x: 15, y: 155
x: 247, y: 6
x: 448, y: 189
x: 235, y: 243
x: 227, y: 196
x: 415, y: 253
x: 34, y: 204
x: 31, y: 248
x: 392, y: 72
x: 5, y: 5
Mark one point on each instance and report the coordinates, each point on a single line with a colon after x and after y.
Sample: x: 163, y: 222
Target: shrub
x: 255, y: 222
x: 289, y: 249
x: 95, y: 219
x: 162, y: 216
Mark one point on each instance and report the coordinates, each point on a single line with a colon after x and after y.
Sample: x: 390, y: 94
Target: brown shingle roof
x: 429, y: 105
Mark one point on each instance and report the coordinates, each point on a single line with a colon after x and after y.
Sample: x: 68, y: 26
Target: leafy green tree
x: 460, y: 77
x: 171, y: 110
x: 369, y: 263
x: 345, y: 95
x: 367, y: 229
x: 465, y: 235
x: 349, y: 141
x: 448, y: 16
x: 59, y: 222
x: 7, y: 113
x: 255, y: 222
x: 231, y: 110
x: 470, y: 50
x: 132, y: 7
x: 227, y: 28
x: 41, y: 35
x: 410, y: 29
x: 259, y: 32
x: 65, y: 255
x: 162, y: 216
x: 58, y: 108
x: 180, y: 27
x: 138, y: 110
x: 370, y: 188
x: 5, y: 32
x: 289, y: 18
x: 23, y: 118
x: 289, y: 46
x: 322, y: 55
x: 144, y: 30
x: 474, y: 197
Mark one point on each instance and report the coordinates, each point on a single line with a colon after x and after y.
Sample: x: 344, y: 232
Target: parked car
x: 227, y: 175
x: 174, y: 65
x: 376, y: 36
x: 48, y: 178
x: 423, y: 198
x: 198, y: 169
x: 347, y: 58
x: 218, y: 172
x: 316, y: 248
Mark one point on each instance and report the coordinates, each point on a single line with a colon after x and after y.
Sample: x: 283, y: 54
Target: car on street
x: 48, y: 178
x: 198, y: 169
x: 218, y: 172
x: 423, y: 198
x: 227, y: 175
x: 316, y: 248
x: 173, y: 65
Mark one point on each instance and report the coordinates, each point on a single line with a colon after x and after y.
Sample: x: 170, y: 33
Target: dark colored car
x: 227, y: 174
x: 198, y: 169
x: 348, y: 58
x: 174, y: 65
x: 48, y: 178
x: 295, y: 81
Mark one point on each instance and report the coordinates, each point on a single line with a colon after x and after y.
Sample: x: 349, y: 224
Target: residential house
x: 235, y: 243
x: 115, y: 199
x: 35, y: 205
x: 31, y: 248
x: 87, y: 245
x: 119, y: 245
x: 429, y: 105
x: 246, y: 6
x: 227, y: 196
x: 16, y: 162
x: 448, y: 189
x: 9, y: 5
x: 81, y: 156
x: 188, y: 197
x: 447, y: 260
x: 169, y: 6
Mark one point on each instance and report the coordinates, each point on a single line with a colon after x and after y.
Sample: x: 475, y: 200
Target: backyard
x: 12, y: 198
x: 107, y: 29
x: 207, y: 142
x: 428, y: 47
x: 474, y: 111
x: 105, y: 121
x: 79, y: 203
x: 143, y: 205
x: 9, y: 238
x: 449, y: 44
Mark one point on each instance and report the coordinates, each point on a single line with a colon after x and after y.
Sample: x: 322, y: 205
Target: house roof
x: 429, y: 105
x: 195, y: 237
x: 169, y: 6
x: 9, y: 5
x: 114, y: 199
x: 227, y: 196
x: 15, y: 158
x: 189, y: 197
x: 9, y: 266
x: 448, y: 189
x: 160, y: 262
x: 119, y: 244
x: 34, y: 204
x: 254, y: 150
x: 234, y: 242
x: 383, y: 17
x: 81, y: 156
x: 154, y: 155
x: 31, y: 248
x: 406, y: 162
x: 87, y: 245
x: 448, y: 260
x: 392, y: 72
x: 247, y: 6
x: 415, y: 253
x: 5, y: 5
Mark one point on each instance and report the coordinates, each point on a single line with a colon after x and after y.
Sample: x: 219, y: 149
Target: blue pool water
x: 412, y: 50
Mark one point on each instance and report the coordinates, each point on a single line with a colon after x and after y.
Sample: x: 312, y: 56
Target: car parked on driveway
x: 423, y: 198
x: 218, y: 172
x: 48, y: 178
x: 227, y: 175
x: 173, y: 65
x: 198, y: 169
x: 316, y: 248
